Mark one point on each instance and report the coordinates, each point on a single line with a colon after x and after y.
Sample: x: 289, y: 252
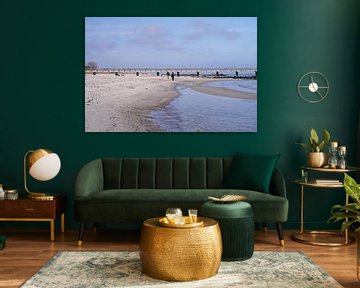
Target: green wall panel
x: 42, y: 95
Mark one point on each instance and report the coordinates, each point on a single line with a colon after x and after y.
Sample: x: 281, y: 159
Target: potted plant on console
x: 317, y: 157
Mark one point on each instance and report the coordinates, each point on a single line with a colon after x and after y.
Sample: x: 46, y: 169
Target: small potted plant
x: 350, y: 214
x: 317, y: 157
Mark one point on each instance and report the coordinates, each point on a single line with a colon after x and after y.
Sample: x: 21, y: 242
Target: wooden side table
x: 26, y: 209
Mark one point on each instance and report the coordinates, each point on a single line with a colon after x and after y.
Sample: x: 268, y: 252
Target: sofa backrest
x: 165, y: 173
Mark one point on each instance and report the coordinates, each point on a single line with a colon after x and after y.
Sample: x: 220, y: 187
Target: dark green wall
x: 42, y: 88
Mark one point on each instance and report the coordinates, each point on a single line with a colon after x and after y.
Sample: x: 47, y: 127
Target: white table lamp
x: 43, y: 165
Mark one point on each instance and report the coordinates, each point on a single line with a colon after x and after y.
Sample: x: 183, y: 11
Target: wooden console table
x: 26, y: 209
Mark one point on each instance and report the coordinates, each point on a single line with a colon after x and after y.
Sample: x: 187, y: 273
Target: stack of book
x: 327, y: 181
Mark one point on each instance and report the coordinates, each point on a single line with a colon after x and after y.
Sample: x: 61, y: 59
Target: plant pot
x: 317, y: 159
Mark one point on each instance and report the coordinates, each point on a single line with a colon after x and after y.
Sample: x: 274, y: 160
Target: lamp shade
x: 43, y: 164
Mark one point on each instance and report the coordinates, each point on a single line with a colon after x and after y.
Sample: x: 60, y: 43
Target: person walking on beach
x: 172, y: 76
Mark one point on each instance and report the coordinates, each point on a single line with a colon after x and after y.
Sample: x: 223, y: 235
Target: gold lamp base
x: 41, y: 196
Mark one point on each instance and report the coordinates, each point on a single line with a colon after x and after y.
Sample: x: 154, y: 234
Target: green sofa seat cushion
x: 266, y: 207
x: 181, y: 195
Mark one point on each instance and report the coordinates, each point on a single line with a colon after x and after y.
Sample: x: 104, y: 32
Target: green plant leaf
x: 346, y: 225
x: 306, y: 146
x: 326, y: 136
x: 352, y: 207
x: 337, y: 216
x: 312, y: 142
x: 349, y: 213
x: 314, y: 136
x: 313, y: 145
x: 352, y: 188
x: 321, y: 146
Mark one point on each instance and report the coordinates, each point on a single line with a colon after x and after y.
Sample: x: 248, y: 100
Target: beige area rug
x: 80, y: 269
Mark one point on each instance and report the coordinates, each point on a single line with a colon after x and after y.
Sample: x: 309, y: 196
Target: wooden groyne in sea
x: 247, y: 73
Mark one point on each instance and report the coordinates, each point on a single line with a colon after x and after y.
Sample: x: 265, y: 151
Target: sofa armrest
x: 89, y: 179
x: 277, y: 184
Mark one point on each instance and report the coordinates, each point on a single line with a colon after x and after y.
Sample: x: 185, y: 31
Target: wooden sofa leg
x: 280, y: 233
x: 265, y: 227
x: 81, y: 233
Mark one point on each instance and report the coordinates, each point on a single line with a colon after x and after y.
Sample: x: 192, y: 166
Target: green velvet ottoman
x: 236, y: 221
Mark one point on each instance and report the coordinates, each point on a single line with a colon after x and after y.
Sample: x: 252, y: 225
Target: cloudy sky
x: 165, y: 42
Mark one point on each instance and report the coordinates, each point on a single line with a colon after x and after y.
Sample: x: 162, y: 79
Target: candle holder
x: 333, y: 149
x: 342, y: 153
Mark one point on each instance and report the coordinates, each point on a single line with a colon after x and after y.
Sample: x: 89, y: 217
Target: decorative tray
x: 228, y: 198
x: 165, y: 222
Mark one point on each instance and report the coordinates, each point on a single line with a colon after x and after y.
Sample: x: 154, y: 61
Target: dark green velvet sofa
x: 131, y: 190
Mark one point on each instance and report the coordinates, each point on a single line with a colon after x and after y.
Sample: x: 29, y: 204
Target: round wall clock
x: 313, y: 87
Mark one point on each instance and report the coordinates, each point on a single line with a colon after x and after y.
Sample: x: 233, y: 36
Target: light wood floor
x: 28, y: 250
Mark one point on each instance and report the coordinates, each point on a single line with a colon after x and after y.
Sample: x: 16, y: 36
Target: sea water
x: 193, y: 111
x: 238, y: 85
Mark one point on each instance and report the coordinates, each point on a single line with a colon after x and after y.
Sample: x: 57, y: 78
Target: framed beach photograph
x: 170, y: 74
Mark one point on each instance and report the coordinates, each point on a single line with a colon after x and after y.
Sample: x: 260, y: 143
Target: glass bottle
x: 304, y: 176
x: 2, y: 192
x: 11, y: 194
x: 174, y: 215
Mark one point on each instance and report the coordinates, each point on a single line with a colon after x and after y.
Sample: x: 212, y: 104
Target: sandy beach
x: 121, y: 103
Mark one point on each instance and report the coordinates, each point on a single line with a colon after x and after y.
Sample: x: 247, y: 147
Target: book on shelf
x: 327, y: 181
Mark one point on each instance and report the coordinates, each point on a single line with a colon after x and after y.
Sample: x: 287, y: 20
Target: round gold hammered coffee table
x: 180, y: 254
